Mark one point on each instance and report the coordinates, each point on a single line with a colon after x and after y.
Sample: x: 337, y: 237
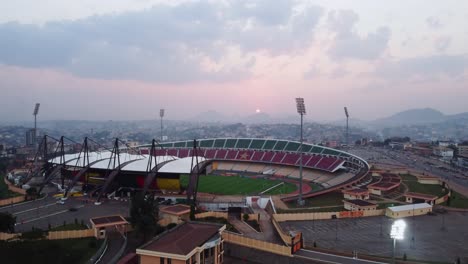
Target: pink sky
x: 332, y: 54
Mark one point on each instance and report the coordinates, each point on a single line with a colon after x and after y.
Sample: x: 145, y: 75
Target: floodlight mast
x: 35, y: 113
x: 347, y: 127
x: 161, y: 114
x: 301, y: 111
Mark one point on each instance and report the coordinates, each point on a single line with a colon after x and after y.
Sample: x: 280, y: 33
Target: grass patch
x: 457, y: 201
x: 328, y: 199
x: 414, y: 186
x: 237, y: 185
x: 68, y: 251
x: 69, y: 227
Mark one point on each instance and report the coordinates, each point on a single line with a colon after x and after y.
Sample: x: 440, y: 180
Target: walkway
x: 115, y: 242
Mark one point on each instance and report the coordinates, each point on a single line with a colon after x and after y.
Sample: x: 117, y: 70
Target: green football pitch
x: 237, y: 185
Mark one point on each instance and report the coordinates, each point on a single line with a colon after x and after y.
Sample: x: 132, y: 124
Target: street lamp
x: 301, y: 110
x: 397, y: 232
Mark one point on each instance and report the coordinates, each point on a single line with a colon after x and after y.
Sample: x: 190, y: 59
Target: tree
x: 246, y: 217
x: 31, y: 193
x: 144, y: 213
x: 7, y: 222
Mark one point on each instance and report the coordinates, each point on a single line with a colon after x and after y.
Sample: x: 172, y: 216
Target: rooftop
x: 108, y: 220
x: 177, y: 209
x: 407, y: 207
x: 421, y: 195
x: 183, y: 239
x: 360, y: 202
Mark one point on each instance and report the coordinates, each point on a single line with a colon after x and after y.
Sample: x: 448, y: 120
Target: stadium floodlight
x: 347, y: 125
x: 36, y: 109
x: 35, y: 113
x: 300, y: 106
x: 397, y: 233
x: 301, y: 111
x: 161, y: 114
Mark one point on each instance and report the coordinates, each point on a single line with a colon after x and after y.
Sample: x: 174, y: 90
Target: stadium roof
x: 130, y: 162
x: 182, y: 165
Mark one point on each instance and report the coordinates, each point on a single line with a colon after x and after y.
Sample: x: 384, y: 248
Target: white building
x: 443, y: 152
x: 408, y: 210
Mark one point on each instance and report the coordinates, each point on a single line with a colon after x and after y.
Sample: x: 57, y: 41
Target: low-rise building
x: 188, y: 243
x: 408, y: 210
x: 357, y: 193
x: 463, y: 150
x: 412, y: 197
x: 443, y: 152
x: 175, y: 213
x: 359, y: 205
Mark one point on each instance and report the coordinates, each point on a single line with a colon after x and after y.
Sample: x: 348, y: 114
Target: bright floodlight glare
x: 161, y: 112
x: 36, y: 109
x: 346, y: 111
x: 300, y: 106
x: 398, y: 229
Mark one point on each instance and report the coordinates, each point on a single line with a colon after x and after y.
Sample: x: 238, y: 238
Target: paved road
x: 328, y: 258
x: 45, y: 212
x: 437, y: 238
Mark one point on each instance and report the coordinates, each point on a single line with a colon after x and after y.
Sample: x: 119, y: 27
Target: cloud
x: 166, y: 43
x: 442, y: 43
x: 312, y: 72
x: 339, y: 73
x: 433, y: 22
x: 428, y: 67
x: 349, y: 44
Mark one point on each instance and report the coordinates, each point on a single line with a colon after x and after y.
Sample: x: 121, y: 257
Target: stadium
x: 178, y: 167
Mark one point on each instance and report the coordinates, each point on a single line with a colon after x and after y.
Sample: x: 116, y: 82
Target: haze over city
x: 123, y: 60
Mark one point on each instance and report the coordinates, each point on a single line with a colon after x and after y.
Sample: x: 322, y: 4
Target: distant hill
x: 412, y: 117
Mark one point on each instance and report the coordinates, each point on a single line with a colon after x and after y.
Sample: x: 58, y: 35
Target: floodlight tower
x: 397, y: 232
x: 35, y: 113
x: 301, y: 111
x: 347, y: 127
x: 161, y: 114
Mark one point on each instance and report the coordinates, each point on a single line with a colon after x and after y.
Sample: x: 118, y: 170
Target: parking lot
x: 440, y: 237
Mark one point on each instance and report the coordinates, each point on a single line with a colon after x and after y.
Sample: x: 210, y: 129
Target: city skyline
x: 124, y: 60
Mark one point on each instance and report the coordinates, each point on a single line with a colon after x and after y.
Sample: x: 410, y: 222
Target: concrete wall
x: 9, y: 201
x: 326, y: 215
x: 256, y: 244
x: 212, y: 214
x: 13, y: 188
x: 7, y: 236
x: 53, y: 235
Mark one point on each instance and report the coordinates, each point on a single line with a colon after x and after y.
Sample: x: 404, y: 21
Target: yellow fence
x: 13, y: 200
x: 253, y: 217
x: 6, y: 236
x: 212, y: 214
x: 53, y: 235
x: 256, y: 244
x: 323, y: 215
